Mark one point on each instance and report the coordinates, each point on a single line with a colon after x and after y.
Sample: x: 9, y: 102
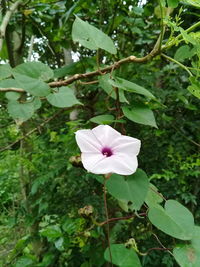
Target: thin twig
x: 107, y: 219
x: 32, y: 131
x: 121, y: 218
x: 158, y: 240
x: 105, y: 70
x: 178, y: 63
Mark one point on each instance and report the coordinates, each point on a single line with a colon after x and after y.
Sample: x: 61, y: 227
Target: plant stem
x: 178, y: 63
x: 107, y: 219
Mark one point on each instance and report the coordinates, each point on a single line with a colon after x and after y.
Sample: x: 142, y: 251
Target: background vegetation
x: 51, y: 208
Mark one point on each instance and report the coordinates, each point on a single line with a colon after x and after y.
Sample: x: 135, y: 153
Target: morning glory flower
x: 105, y: 150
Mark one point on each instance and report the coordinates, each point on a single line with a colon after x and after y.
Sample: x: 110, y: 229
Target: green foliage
x: 43, y: 186
x: 140, y: 113
x: 90, y: 37
x: 131, y: 191
x: 121, y: 256
x: 174, y: 219
x: 36, y: 70
x: 63, y: 98
x: 20, y: 111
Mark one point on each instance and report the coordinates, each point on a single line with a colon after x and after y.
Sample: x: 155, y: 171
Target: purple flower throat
x: 106, y: 151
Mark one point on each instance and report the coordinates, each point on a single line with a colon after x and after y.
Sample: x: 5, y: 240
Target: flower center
x: 106, y: 151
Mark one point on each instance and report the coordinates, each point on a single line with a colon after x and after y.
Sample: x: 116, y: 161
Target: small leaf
x: 134, y: 189
x: 103, y: 119
x: 192, y: 2
x: 90, y: 37
x: 33, y: 86
x: 183, y: 52
x: 20, y: 111
x: 34, y: 69
x: 122, y: 256
x: 51, y: 232
x: 194, y: 88
x: 24, y: 261
x: 59, y: 243
x: 104, y: 83
x: 175, y: 220
x: 172, y: 3
x: 63, y: 98
x: 12, y: 95
x: 130, y: 87
x: 140, y: 113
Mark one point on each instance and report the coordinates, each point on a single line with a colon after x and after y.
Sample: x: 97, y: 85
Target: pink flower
x: 104, y: 150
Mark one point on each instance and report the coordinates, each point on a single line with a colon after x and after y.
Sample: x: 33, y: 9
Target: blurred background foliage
x: 43, y: 187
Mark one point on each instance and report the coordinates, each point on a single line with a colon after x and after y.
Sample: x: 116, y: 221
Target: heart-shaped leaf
x: 90, y: 37
x: 174, y: 220
x: 132, y: 190
x: 140, y: 113
x: 63, y: 98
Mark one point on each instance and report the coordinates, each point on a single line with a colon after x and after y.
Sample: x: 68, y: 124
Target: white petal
x: 87, y: 141
x: 90, y: 160
x: 124, y: 164
x: 126, y: 144
x: 105, y: 134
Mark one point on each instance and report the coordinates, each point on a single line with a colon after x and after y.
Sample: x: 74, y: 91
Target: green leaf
x: 122, y: 256
x: 24, y: 261
x: 188, y: 37
x: 196, y: 238
x: 52, y: 232
x: 35, y: 69
x: 172, y: 3
x: 5, y: 71
x: 12, y: 95
x: 153, y: 196
x: 63, y: 98
x: 192, y: 2
x: 33, y: 86
x: 20, y: 111
x: 90, y: 37
x: 194, y: 88
x: 103, y: 119
x: 132, y: 190
x: 186, y: 256
x: 9, y: 83
x: 183, y: 52
x: 59, y: 243
x: 130, y: 87
x: 104, y: 82
x: 175, y: 220
x: 140, y: 113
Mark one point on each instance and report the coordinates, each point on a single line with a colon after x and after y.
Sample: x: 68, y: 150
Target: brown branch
x: 105, y: 70
x: 6, y: 20
x: 158, y: 240
x: 32, y: 131
x: 12, y: 89
x: 121, y: 218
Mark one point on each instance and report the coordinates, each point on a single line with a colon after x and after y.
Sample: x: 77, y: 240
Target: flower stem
x: 107, y: 219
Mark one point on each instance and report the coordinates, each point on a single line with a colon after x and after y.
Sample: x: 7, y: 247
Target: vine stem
x: 107, y: 218
x: 178, y: 63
